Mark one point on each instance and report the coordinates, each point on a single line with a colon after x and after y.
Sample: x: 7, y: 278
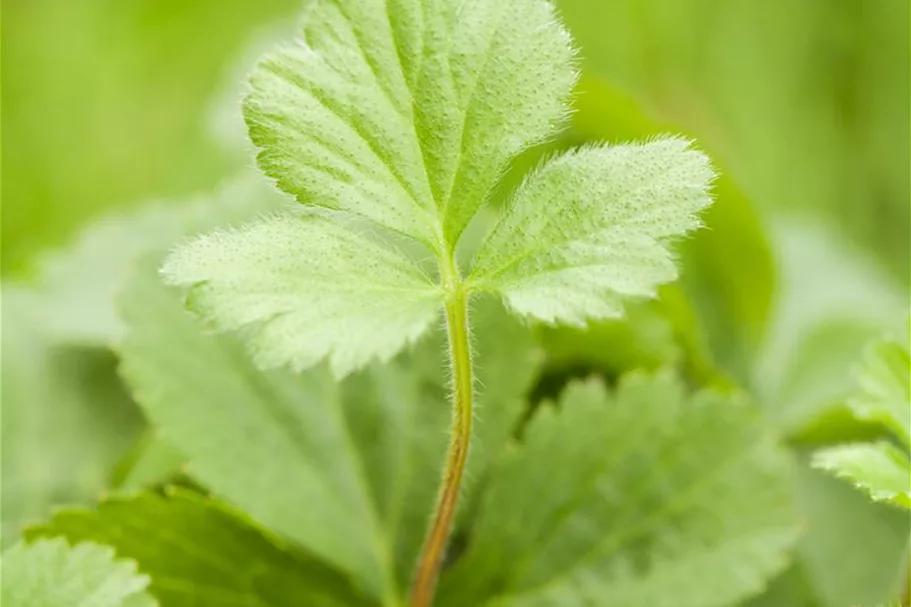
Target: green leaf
x: 853, y: 551
x: 307, y: 288
x: 791, y: 589
x: 833, y: 300
x: 733, y: 293
x: 66, y: 419
x: 658, y: 495
x: 78, y: 283
x: 592, y: 226
x: 880, y: 469
x: 150, y: 462
x: 653, y: 334
x: 195, y: 549
x: 406, y: 112
x: 885, y: 388
x: 49, y: 573
x: 349, y: 471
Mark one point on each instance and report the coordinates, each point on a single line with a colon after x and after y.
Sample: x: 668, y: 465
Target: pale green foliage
x: 198, y: 552
x: 309, y: 288
x: 885, y: 388
x: 654, y: 489
x: 882, y: 469
x: 851, y: 551
x: 590, y: 227
x: 349, y: 471
x: 50, y: 573
x: 405, y: 114
x: 78, y: 283
x: 66, y: 419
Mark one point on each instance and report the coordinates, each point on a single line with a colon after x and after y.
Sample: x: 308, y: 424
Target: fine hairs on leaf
x: 881, y: 469
x: 399, y: 117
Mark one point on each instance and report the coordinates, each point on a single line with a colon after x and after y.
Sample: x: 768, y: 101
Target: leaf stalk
x: 437, y: 540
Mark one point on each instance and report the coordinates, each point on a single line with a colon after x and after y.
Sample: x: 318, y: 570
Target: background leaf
x: 66, y: 418
x: 49, y: 573
x: 880, y: 469
x: 77, y: 284
x: 732, y: 295
x: 195, y: 549
x: 644, y: 517
x: 364, y: 456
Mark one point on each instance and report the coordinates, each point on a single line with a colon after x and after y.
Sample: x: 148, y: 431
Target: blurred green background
x: 805, y: 105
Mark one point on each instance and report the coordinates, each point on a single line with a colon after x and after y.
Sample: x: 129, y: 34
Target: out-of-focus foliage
x: 66, y: 418
x: 105, y: 102
x: 882, y: 469
x: 801, y: 104
x: 195, y: 548
x: 640, y: 506
x: 78, y: 284
x: 50, y: 573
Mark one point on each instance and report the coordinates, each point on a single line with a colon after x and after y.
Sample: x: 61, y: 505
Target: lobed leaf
x: 304, y: 289
x: 197, y: 551
x: 591, y: 227
x: 885, y: 388
x: 50, y: 573
x: 348, y: 471
x: 880, y: 469
x: 656, y: 494
x: 406, y: 112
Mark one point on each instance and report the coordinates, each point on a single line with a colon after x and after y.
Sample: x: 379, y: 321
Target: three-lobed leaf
x: 400, y: 117
x: 51, y: 573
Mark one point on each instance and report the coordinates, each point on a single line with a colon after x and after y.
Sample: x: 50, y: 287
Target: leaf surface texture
x: 632, y: 498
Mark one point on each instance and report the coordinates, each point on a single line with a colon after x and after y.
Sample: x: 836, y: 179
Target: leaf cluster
x: 297, y: 411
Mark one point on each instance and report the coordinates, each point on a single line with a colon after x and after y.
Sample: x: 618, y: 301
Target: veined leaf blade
x: 304, y: 289
x: 656, y: 492
x: 405, y: 112
x: 196, y: 549
x: 591, y: 227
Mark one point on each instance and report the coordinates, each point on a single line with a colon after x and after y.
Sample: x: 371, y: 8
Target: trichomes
x: 392, y: 122
x: 881, y: 469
